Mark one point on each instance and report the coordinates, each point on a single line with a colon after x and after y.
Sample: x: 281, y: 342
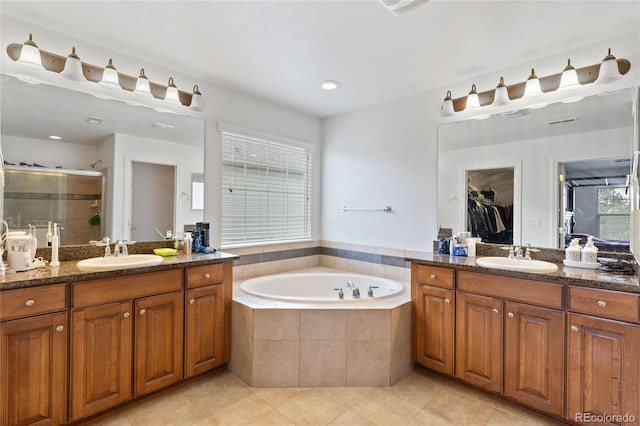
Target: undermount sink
x: 520, y: 265
x: 119, y: 262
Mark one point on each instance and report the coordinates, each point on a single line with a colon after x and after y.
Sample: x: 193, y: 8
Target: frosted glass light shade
x: 501, y: 95
x: 532, y: 86
x: 569, y: 77
x: 30, y: 55
x: 110, y: 78
x: 142, y: 85
x: 73, y: 67
x: 446, y: 109
x: 172, y: 97
x: 197, y: 103
x: 609, y: 71
x: 473, y: 101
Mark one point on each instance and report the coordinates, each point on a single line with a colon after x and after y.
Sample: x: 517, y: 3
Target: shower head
x: 95, y: 163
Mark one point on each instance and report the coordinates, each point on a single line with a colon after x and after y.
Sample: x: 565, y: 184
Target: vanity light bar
x: 56, y: 63
x: 551, y: 83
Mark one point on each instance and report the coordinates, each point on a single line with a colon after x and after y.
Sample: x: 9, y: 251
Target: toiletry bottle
x: 34, y: 241
x: 452, y: 245
x: 590, y: 252
x: 49, y: 234
x: 55, y: 244
x: 574, y: 251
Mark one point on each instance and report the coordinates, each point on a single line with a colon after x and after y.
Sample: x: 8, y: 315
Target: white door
x: 152, y: 204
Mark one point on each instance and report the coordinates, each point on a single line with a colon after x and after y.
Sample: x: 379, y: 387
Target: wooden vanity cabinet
x: 434, y: 310
x: 602, y: 360
x: 126, y: 339
x: 511, y: 331
x: 33, y: 358
x: 204, y: 319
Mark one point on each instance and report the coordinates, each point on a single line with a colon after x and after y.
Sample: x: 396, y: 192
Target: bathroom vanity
x: 565, y: 344
x: 75, y: 344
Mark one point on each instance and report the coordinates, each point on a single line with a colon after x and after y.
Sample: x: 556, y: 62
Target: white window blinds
x: 266, y: 191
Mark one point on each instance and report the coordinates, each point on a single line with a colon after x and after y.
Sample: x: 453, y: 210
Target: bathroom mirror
x: 127, y: 145
x: 590, y: 139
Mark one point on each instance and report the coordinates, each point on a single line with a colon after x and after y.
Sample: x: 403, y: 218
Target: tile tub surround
x: 320, y: 347
x: 286, y: 344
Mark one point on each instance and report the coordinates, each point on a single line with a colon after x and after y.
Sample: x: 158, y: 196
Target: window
x: 266, y: 190
x: 613, y: 213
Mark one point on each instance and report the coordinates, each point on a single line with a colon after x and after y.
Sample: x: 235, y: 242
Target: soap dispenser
x: 573, y: 253
x: 590, y: 252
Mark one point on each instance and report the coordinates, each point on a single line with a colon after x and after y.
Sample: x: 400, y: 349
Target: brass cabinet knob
x: 126, y: 315
x: 495, y: 311
x: 447, y: 301
x: 602, y: 303
x: 511, y: 315
x: 192, y: 301
x: 207, y: 275
x: 30, y: 302
x: 59, y: 328
x: 433, y: 276
x: 574, y: 328
x: 143, y: 311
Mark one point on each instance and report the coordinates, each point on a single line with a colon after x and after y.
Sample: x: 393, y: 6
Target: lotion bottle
x: 590, y: 252
x: 55, y: 244
x: 573, y: 253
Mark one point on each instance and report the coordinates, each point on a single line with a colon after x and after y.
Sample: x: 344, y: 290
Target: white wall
x: 49, y: 153
x: 222, y: 105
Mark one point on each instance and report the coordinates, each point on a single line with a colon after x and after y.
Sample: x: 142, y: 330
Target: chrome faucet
x: 120, y: 248
x: 516, y: 252
x: 103, y: 243
x: 355, y: 291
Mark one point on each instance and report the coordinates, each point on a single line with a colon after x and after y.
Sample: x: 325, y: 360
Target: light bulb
x: 446, y: 109
x: 30, y: 55
x: 73, y: 67
x: 110, y: 78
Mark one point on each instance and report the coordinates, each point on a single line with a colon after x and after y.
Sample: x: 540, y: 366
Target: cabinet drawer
x: 604, y: 303
x: 24, y: 302
x: 87, y: 293
x: 521, y: 290
x: 435, y: 276
x: 199, y: 276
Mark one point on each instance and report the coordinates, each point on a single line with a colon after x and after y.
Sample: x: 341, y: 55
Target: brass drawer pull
x: 447, y: 301
x: 59, y: 328
x: 207, y: 275
x: 143, y: 311
x: 126, y: 315
x: 495, y: 311
x: 602, y: 303
x: 192, y: 301
x: 30, y: 302
x: 574, y: 328
x: 511, y: 315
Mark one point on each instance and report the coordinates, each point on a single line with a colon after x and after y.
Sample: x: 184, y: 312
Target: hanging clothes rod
x: 344, y: 209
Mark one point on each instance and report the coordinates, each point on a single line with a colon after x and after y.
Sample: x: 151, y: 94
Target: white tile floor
x: 420, y: 398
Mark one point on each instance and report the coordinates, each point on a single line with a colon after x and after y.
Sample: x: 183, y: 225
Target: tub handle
x: 371, y: 287
x: 340, y: 293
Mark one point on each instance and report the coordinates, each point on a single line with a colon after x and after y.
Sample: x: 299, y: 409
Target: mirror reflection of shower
x: 95, y: 163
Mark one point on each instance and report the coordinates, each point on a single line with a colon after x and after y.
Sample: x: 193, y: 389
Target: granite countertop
x: 564, y: 275
x: 69, y: 272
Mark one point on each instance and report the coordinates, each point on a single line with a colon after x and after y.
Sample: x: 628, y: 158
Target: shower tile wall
x: 35, y: 197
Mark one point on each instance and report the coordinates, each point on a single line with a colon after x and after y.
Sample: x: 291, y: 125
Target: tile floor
x: 420, y: 398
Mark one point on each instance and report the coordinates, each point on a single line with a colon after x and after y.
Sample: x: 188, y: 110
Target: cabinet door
x: 479, y: 340
x: 100, y: 358
x: 602, y: 369
x: 158, y: 341
x: 435, y: 328
x: 33, y: 370
x: 534, y: 356
x: 204, y: 329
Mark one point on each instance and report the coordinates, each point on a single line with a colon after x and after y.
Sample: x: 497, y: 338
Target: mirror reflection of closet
x: 490, y: 195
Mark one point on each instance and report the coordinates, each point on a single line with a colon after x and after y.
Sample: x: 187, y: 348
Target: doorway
x: 152, y: 200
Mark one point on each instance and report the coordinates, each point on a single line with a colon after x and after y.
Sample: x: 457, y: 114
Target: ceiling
x: 281, y: 50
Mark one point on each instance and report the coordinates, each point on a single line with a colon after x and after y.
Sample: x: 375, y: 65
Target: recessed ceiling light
x: 55, y: 137
x: 330, y: 84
